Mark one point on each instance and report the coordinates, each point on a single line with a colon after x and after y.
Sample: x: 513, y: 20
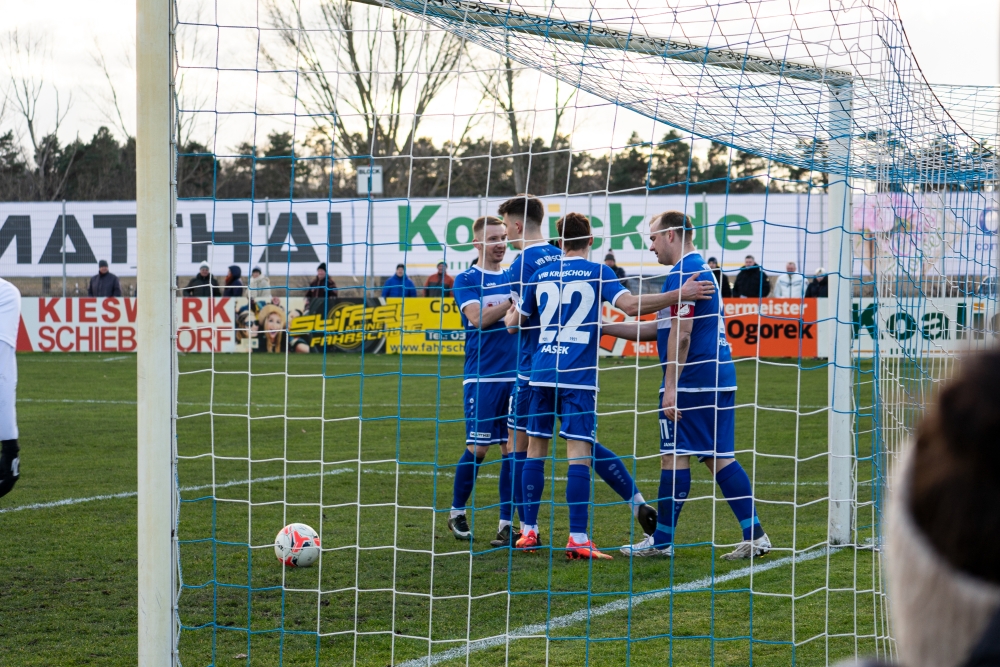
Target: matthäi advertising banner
x: 370, y: 237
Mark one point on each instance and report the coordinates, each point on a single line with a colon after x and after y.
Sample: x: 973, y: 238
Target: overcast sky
x: 955, y: 41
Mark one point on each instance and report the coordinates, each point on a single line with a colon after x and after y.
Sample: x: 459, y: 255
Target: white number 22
x: 554, y: 299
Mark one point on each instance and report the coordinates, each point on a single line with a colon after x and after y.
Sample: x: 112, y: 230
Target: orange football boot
x: 584, y: 551
x: 528, y: 541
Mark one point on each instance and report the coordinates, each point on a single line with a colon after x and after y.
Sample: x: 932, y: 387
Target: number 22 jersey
x: 563, y: 300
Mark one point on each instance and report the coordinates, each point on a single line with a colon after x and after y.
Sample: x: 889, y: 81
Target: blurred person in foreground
x: 104, y: 283
x: 942, y: 549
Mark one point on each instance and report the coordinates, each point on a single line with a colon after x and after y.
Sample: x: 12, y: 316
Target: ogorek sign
x: 109, y: 325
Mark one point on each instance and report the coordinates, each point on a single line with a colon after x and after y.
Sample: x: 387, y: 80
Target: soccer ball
x: 297, y: 545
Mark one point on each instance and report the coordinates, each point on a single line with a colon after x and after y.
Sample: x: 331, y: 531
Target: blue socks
x: 465, y: 479
x: 612, y: 470
x: 506, y: 485
x: 735, y: 486
x: 578, y: 497
x: 518, y: 464
x: 675, y: 485
x: 533, y: 484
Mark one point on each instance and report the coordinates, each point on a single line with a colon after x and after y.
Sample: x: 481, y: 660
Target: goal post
x: 840, y: 432
x: 155, y: 359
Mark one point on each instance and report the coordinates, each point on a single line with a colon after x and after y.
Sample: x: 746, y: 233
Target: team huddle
x: 531, y: 356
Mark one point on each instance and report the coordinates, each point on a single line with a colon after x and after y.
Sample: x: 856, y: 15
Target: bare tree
x: 560, y: 111
x: 385, y: 67
x: 498, y: 85
x: 111, y: 109
x: 23, y: 53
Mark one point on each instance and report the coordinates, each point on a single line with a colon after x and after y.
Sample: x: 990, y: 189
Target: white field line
x: 352, y: 405
x: 541, y: 630
x: 335, y: 471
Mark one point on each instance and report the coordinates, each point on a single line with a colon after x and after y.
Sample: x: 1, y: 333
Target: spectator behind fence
x: 104, y: 283
x: 751, y: 281
x: 790, y: 285
x: 398, y: 285
x: 942, y: 535
x: 321, y: 291
x: 609, y: 261
x: 234, y: 283
x: 724, y: 289
x: 819, y: 287
x: 260, y: 286
x: 203, y: 284
x: 439, y: 285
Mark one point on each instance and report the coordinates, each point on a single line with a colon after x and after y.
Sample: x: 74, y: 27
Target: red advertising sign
x: 754, y: 328
x: 109, y: 325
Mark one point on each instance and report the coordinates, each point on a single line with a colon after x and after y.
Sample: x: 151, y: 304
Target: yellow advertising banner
x: 425, y: 326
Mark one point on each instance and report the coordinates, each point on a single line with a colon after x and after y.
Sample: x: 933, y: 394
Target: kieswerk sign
x: 109, y: 325
x: 292, y: 239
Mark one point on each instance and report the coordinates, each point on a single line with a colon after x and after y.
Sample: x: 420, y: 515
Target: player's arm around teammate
x: 483, y: 295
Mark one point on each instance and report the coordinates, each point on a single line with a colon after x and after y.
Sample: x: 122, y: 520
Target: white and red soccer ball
x: 297, y: 545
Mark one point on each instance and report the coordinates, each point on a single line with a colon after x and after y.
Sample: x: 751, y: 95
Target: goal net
x: 332, y: 157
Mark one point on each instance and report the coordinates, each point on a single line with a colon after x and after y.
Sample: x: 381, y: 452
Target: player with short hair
x: 563, y: 301
x: 10, y: 320
x: 698, y: 399
x: 523, y: 215
x: 483, y: 295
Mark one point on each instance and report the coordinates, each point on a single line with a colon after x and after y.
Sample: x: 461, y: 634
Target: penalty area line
x: 540, y: 630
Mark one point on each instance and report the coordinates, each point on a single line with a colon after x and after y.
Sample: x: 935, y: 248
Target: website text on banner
x: 754, y: 328
x: 422, y: 232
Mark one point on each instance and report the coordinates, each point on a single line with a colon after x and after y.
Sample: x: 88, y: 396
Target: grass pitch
x: 363, y: 449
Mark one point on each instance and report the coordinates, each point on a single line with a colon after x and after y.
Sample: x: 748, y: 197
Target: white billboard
x: 370, y: 237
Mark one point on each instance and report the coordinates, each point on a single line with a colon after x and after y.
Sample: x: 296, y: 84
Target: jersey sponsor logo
x: 480, y: 435
x: 553, y: 349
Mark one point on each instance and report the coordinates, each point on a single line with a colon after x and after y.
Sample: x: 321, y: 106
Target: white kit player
x: 10, y: 319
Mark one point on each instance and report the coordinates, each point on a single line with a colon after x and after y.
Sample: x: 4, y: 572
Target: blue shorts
x: 707, y: 427
x: 576, y: 409
x: 486, y: 406
x: 519, y: 407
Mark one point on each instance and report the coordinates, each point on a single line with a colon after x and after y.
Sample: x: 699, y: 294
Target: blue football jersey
x: 709, y: 364
x: 565, y: 296
x: 490, y: 353
x: 530, y: 260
